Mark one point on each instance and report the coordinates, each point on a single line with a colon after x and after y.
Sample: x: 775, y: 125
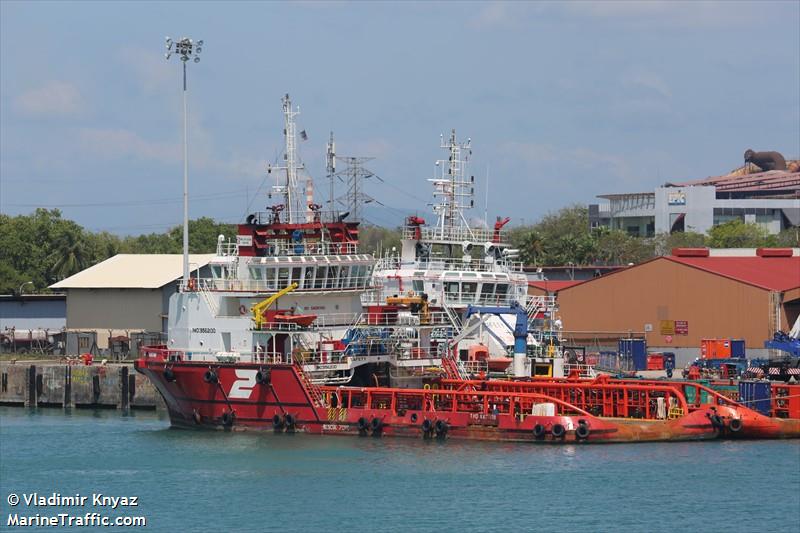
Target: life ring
x: 169, y: 375
x: 558, y: 431
x: 582, y: 431
x: 735, y: 425
x: 538, y: 431
x: 210, y: 376
x: 242, y: 309
x: 277, y: 422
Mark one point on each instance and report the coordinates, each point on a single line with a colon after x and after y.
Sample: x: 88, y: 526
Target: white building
x: 770, y: 199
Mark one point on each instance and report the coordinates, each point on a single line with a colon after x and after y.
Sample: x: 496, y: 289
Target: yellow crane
x: 259, y: 308
x: 418, y: 304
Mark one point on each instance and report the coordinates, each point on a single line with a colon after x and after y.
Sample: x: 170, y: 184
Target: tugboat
x: 276, y: 338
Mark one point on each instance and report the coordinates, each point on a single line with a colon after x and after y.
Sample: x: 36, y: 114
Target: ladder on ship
x: 202, y: 288
x: 454, y: 317
x: 312, y: 390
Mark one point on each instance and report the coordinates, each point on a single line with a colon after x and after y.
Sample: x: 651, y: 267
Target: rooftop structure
x: 752, y: 194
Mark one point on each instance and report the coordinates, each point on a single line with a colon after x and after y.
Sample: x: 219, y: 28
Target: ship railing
x: 263, y: 218
x: 287, y: 248
x: 434, y: 318
x: 582, y: 370
x: 326, y: 321
x: 454, y: 234
x: 352, y: 283
x: 606, y: 398
x: 474, y: 368
x: 454, y: 265
x: 440, y: 402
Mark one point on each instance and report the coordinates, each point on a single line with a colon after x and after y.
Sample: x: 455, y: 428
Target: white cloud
x: 54, y: 98
x: 116, y: 143
x: 647, y: 80
x: 701, y: 13
x: 575, y: 160
x: 152, y: 71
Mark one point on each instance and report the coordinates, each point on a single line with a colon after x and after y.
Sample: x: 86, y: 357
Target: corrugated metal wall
x: 712, y: 305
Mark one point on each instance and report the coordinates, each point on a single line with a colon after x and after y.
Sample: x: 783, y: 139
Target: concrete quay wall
x: 42, y: 384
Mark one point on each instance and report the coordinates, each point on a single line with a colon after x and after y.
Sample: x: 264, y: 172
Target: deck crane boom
x: 259, y: 308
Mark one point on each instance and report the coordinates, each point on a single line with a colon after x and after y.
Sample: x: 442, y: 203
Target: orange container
x: 715, y: 348
x: 655, y: 361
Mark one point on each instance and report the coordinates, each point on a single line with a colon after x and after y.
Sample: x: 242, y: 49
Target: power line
x: 134, y: 203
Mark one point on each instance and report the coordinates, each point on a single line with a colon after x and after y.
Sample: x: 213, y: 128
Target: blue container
x: 756, y: 395
x: 636, y: 350
x: 737, y: 349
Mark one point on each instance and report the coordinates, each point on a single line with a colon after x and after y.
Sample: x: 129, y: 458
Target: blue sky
x: 562, y: 101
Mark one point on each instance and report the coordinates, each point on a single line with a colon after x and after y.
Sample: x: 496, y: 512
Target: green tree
x: 663, y: 243
x: 69, y: 253
x: 737, y: 234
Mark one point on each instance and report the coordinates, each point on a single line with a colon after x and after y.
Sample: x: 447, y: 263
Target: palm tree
x: 69, y: 254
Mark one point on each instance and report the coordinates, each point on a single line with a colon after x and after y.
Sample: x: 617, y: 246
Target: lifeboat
x: 300, y: 320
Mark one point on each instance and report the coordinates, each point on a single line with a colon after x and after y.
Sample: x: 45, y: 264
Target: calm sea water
x: 214, y: 481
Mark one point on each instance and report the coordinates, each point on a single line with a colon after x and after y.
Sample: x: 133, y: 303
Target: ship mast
x: 453, y: 192
x: 291, y: 195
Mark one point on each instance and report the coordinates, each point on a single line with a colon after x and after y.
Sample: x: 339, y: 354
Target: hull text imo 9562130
x: 294, y: 330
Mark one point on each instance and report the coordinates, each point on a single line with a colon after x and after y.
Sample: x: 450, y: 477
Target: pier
x: 57, y: 384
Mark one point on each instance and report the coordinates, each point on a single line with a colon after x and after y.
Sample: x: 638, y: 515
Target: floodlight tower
x: 185, y: 49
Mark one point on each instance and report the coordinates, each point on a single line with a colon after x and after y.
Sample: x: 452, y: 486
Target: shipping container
x: 738, y: 349
x: 756, y: 395
x: 715, y: 348
x: 655, y: 361
x: 636, y: 351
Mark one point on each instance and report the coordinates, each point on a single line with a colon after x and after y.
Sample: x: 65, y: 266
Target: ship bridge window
x: 468, y: 290
x: 255, y: 273
x: 502, y: 290
x: 283, y: 278
x: 297, y: 277
x: 487, y: 292
x: 319, y: 280
x: 333, y: 273
x: 344, y: 278
x: 270, y: 277
x: 451, y: 290
x: 216, y: 271
x: 418, y: 286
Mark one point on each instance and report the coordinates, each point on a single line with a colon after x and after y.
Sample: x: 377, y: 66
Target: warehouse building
x: 675, y: 301
x: 33, y: 311
x: 126, y: 293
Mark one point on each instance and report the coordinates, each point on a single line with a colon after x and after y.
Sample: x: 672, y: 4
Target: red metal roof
x: 554, y: 285
x: 771, y: 273
x: 774, y: 180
